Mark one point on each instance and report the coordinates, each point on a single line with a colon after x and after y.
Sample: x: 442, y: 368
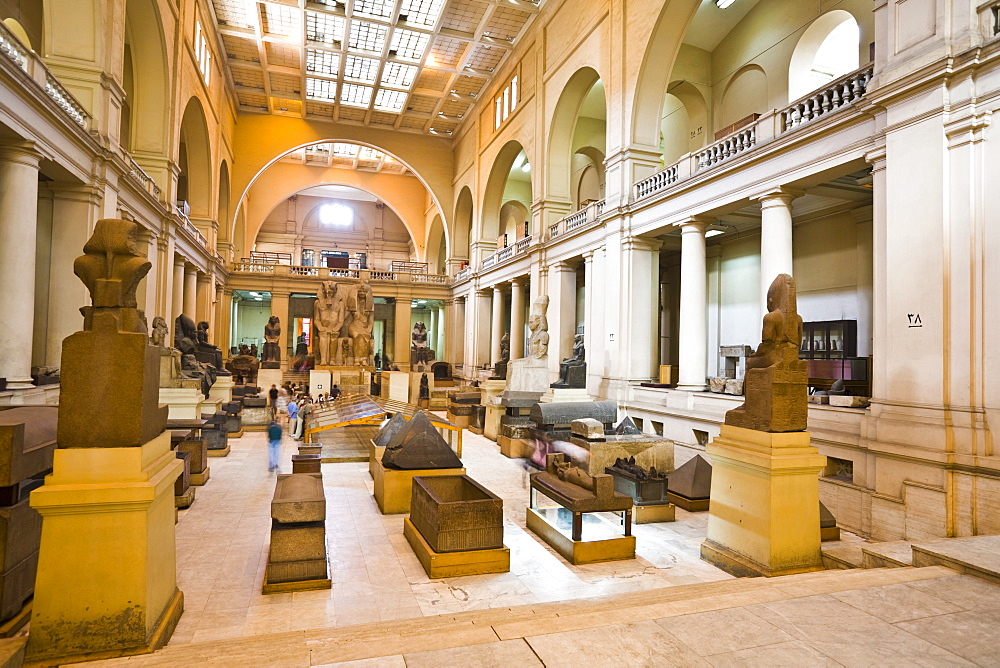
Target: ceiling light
x: 336, y: 214
x: 526, y: 167
x: 714, y: 233
x: 258, y: 299
x: 724, y: 3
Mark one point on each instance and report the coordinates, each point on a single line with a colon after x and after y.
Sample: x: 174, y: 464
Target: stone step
x: 842, y: 556
x: 486, y: 627
x: 978, y: 556
x: 891, y: 554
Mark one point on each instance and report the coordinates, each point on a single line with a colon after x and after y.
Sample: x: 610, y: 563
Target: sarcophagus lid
x: 692, y: 480
x: 419, y: 446
x: 563, y: 413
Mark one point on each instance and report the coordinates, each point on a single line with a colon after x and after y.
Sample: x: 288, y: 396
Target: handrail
x: 838, y: 93
x: 323, y: 273
x: 584, y: 217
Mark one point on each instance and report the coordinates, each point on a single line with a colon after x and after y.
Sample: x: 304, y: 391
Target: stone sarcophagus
x: 455, y: 513
x: 298, y: 535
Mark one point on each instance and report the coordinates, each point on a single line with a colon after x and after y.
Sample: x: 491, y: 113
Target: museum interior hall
x: 499, y: 332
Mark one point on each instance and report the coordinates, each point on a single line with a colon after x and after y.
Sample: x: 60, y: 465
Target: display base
x: 564, y: 395
x: 97, y: 506
x: 394, y: 488
x: 458, y: 420
x: 513, y: 448
x: 236, y: 434
x: 10, y: 628
x: 829, y: 533
x: 652, y: 514
x: 764, y: 515
x: 475, y: 430
x: 185, y: 500
x: 200, y: 478
x: 690, y: 505
x: 222, y: 452
x: 298, y: 585
x: 579, y: 552
x: 455, y: 564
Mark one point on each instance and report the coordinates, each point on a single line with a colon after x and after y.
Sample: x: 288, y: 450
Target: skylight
x: 390, y: 100
x: 367, y: 37
x: 322, y: 62
x: 408, y: 44
x: 321, y: 88
x: 422, y: 12
x: 324, y: 28
x: 398, y: 75
x: 361, y: 69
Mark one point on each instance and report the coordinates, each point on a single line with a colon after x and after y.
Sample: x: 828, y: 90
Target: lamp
x: 724, y: 3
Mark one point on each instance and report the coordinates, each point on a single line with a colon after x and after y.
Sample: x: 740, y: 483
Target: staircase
x: 629, y: 629
x: 978, y: 556
x: 297, y: 377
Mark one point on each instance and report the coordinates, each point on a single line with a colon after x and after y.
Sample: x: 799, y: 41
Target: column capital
x: 23, y: 153
x: 588, y: 256
x: 780, y: 194
x: 519, y: 281
x: 695, y: 224
x: 876, y: 158
x: 180, y: 261
x: 484, y: 292
x: 640, y: 244
x: 562, y: 266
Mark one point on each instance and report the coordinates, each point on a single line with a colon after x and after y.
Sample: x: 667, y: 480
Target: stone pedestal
x: 394, y: 488
x: 764, y: 513
x: 528, y: 374
x: 268, y: 377
x: 492, y: 389
x: 564, y: 395
x: 222, y: 390
x: 396, y: 385
x: 184, y: 403
x: 106, y: 565
x: 320, y: 381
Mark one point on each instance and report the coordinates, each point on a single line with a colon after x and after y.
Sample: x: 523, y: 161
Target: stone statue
x: 500, y: 368
x: 538, y: 325
x: 343, y: 319
x: 378, y: 361
x: 776, y: 379
x: 203, y: 332
x: 271, y: 358
x: 573, y: 370
x: 159, y: 335
x: 425, y: 390
x: 253, y: 350
x: 109, y: 394
x: 328, y: 318
x: 420, y: 355
x: 361, y: 325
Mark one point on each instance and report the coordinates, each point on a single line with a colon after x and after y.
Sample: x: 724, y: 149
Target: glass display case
x: 829, y: 339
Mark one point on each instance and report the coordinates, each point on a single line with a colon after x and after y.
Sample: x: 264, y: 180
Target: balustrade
x: 839, y: 93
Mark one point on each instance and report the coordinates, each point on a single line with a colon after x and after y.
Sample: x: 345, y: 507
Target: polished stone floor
x: 222, y: 551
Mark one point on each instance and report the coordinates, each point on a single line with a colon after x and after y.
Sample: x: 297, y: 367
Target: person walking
x: 293, y: 417
x: 273, y: 444
x: 273, y: 394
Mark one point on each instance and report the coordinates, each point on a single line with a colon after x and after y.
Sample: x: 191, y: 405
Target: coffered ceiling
x: 409, y: 65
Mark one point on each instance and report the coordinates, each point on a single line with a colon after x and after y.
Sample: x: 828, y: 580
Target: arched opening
x: 578, y: 137
x: 143, y: 126
x: 745, y: 96
x: 514, y: 217
x: 828, y: 49
x: 18, y: 30
x: 437, y: 246
x: 461, y: 249
x: 509, y: 181
x: 194, y: 160
x: 685, y: 125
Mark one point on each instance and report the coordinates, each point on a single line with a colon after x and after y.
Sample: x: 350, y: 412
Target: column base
x: 107, y: 561
x: 764, y: 512
x: 21, y: 383
x: 692, y: 388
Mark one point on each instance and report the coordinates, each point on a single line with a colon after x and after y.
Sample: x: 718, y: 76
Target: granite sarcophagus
x: 454, y: 513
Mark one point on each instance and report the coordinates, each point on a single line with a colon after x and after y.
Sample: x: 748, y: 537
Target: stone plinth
x: 764, y: 513
x: 396, y: 385
x: 394, y: 488
x: 775, y: 399
x: 297, y: 554
x: 222, y: 389
x: 256, y: 418
x: 528, y: 374
x: 199, y: 472
x: 183, y: 403
x: 268, y: 377
x: 492, y: 391
x: 455, y: 564
x: 98, y: 530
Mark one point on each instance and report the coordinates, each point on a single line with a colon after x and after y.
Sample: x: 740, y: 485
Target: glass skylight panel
x: 368, y: 153
x: 355, y: 96
x: 422, y: 12
x: 280, y: 20
x: 322, y: 62
x: 390, y: 100
x: 398, y: 75
x: 324, y: 28
x: 367, y: 36
x: 321, y: 89
x: 360, y: 69
x: 345, y: 150
x: 378, y: 9
x: 409, y: 44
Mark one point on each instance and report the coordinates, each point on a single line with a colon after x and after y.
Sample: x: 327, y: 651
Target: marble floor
x: 222, y: 545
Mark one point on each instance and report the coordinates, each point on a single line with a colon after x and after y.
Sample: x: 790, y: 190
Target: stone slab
x: 978, y: 556
x: 653, y: 514
x: 298, y: 497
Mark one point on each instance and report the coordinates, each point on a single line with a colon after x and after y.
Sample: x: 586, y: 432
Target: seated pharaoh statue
x: 195, y: 363
x: 573, y: 370
x: 776, y: 379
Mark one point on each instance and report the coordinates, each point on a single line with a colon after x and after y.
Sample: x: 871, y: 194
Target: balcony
x: 585, y: 217
x: 503, y: 255
x: 32, y: 65
x: 326, y: 273
x: 836, y: 96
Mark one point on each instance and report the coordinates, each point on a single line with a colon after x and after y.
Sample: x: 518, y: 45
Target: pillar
x: 401, y: 339
x: 442, y: 325
x: 449, y: 331
x: 191, y: 292
x: 433, y: 325
x: 74, y: 213
x: 775, y: 239
x: 203, y: 301
x: 693, y: 330
x: 18, y: 230
x: 588, y: 292
x: 562, y: 313
x: 496, y: 327
x: 481, y: 318
x: 177, y: 299
x: 517, y: 318
x: 223, y: 318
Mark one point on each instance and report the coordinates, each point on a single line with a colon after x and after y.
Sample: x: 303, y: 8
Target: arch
x: 222, y: 211
x: 436, y: 246
x: 655, y: 69
x: 562, y: 130
x: 194, y: 182
x: 462, y: 221
x: 803, y: 75
x: 16, y: 29
x: 745, y: 94
x: 684, y: 112
x: 262, y: 140
x: 496, y: 191
x: 150, y: 104
x: 512, y: 214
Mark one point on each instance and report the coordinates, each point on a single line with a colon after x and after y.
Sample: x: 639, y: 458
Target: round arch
x: 493, y: 195
x: 745, y: 93
x: 462, y: 222
x: 222, y: 210
x: 16, y: 29
x: 801, y: 77
x: 194, y: 155
x: 149, y: 108
x: 436, y: 247
x: 560, y: 150
x: 676, y: 132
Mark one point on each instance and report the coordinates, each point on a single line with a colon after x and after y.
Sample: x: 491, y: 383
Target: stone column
x: 18, y: 233
x: 432, y: 329
x: 638, y: 277
x: 588, y: 293
x: 517, y: 318
x: 177, y: 299
x: 191, y: 292
x: 449, y: 331
x: 496, y: 326
x: 481, y: 340
x: 203, y: 302
x: 562, y: 313
x: 693, y: 330
x: 401, y: 340
x: 775, y: 238
x: 442, y: 327
x: 223, y: 318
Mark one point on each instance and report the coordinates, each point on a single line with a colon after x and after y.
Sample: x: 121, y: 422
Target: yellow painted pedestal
x: 513, y: 448
x: 393, y: 488
x: 664, y: 512
x: 764, y: 515
x: 581, y: 551
x: 107, y: 570
x: 455, y: 564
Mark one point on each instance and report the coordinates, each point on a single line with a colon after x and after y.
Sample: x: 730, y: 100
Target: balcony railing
x: 462, y: 274
x: 33, y: 66
x: 323, y: 273
x: 139, y: 175
x: 834, y: 96
x: 582, y: 218
x: 520, y: 247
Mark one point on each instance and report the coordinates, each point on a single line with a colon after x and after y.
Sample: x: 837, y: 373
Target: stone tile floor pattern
x: 222, y: 545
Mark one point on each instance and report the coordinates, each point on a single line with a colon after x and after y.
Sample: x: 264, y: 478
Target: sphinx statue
x: 776, y: 379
